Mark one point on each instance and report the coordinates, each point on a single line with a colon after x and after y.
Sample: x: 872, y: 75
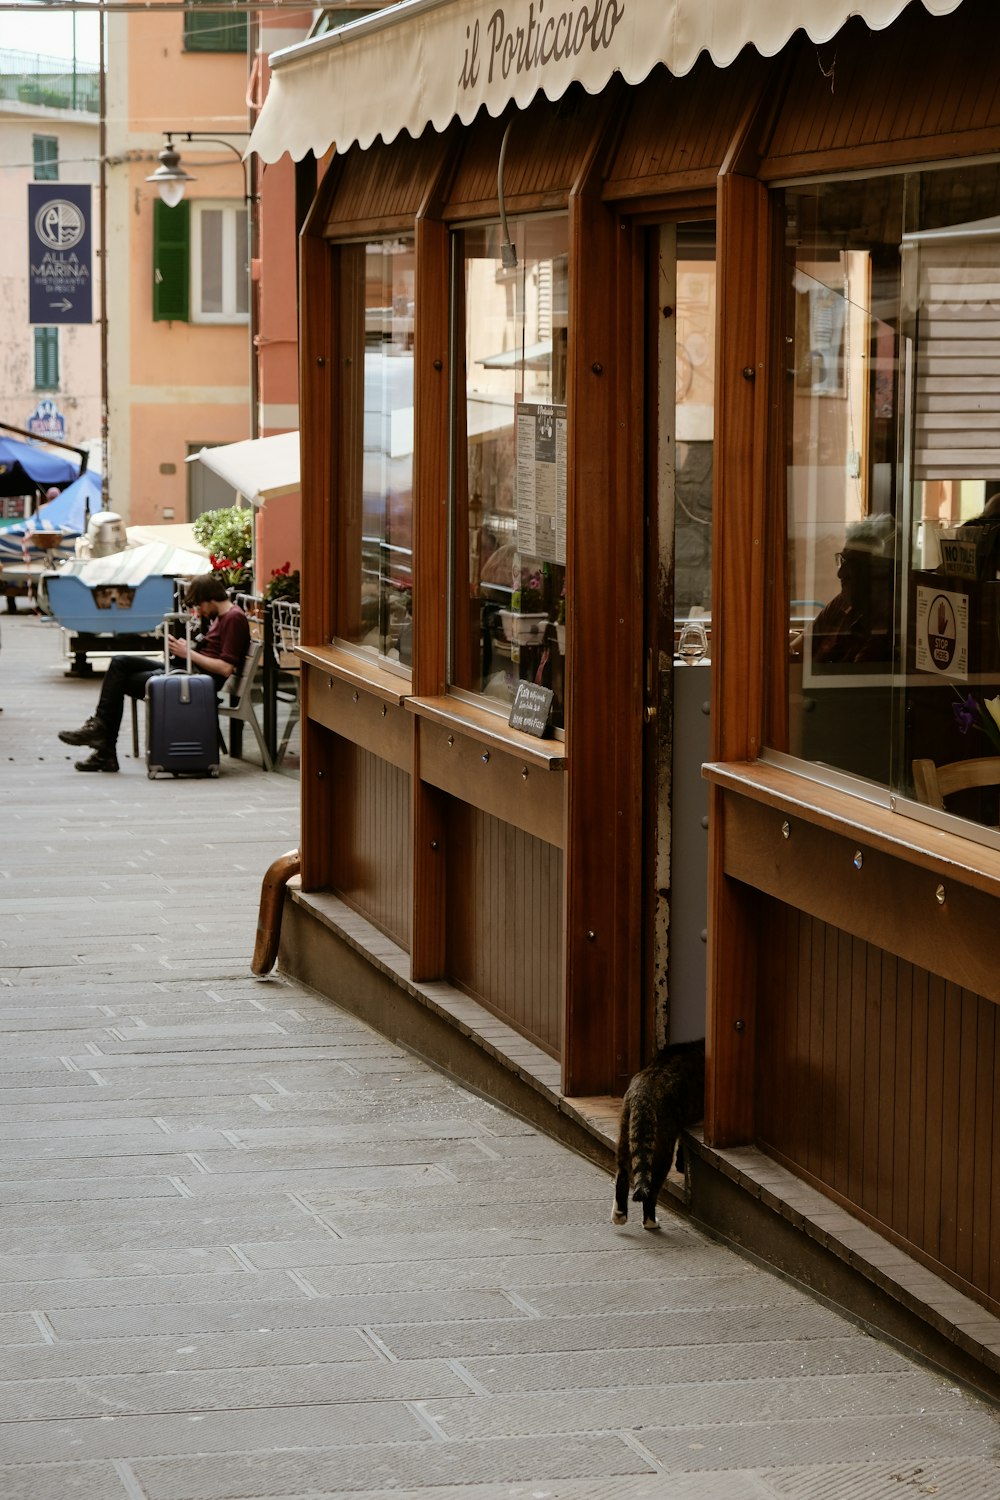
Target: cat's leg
x: 620, y: 1214
x: 657, y: 1177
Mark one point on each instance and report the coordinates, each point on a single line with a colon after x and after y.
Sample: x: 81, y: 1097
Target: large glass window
x: 374, y: 568
x: 892, y: 337
x: 508, y: 552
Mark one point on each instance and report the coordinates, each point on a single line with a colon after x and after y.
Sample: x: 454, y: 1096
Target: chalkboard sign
x: 532, y: 706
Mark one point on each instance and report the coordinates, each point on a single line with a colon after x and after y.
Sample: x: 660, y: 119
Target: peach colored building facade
x: 279, y: 535
x: 176, y: 385
x: 173, y: 385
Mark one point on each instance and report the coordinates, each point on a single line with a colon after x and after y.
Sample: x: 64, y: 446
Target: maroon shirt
x: 228, y: 638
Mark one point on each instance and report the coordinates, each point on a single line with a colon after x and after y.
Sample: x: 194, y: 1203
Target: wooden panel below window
x: 940, y: 923
x: 370, y: 838
x: 505, y: 926
x: 881, y: 1083
x: 362, y: 716
x: 506, y: 786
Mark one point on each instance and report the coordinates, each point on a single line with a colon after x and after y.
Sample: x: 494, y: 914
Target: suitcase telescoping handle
x: 168, y: 620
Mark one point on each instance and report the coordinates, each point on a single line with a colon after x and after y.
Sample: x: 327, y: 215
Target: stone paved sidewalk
x: 250, y: 1248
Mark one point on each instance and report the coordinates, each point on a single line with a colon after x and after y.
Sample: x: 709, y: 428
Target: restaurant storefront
x: 650, y: 392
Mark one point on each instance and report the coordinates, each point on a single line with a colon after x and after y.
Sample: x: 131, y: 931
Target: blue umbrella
x: 25, y: 467
x: 69, y: 511
x: 66, y: 515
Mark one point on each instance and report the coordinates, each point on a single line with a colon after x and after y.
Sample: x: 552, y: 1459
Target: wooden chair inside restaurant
x: 933, y: 783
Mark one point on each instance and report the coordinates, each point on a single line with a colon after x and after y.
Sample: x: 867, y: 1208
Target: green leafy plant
x: 234, y: 574
x: 283, y: 584
x: 531, y: 595
x: 226, y: 534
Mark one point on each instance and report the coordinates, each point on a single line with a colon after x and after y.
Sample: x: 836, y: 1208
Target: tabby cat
x: 664, y: 1097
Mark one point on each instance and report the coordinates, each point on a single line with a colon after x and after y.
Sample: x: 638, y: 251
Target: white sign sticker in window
x: 942, y: 633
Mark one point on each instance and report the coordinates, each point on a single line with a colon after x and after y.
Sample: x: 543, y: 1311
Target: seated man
x: 220, y: 654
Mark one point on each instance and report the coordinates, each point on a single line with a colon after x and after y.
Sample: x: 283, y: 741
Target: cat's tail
x: 642, y: 1135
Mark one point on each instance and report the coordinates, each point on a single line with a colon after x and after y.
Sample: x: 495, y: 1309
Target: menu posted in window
x: 541, y: 481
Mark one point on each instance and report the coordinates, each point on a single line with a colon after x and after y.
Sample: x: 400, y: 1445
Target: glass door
x: 681, y: 301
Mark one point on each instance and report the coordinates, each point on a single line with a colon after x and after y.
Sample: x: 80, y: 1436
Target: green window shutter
x: 171, y: 261
x: 45, y: 155
x: 214, y: 31
x: 46, y: 359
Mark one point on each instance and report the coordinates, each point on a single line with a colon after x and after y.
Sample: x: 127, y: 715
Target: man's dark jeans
x: 126, y: 677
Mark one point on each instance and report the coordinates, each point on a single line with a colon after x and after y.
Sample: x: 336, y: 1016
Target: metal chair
x: 241, y: 707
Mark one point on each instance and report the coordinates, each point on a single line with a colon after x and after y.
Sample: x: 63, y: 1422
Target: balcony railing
x: 27, y: 78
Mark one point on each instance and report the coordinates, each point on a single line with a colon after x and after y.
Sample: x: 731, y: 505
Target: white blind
x: 957, y: 424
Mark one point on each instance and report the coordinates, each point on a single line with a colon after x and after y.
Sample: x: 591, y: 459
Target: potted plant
x: 526, y: 621
x: 228, y: 536
x: 283, y: 584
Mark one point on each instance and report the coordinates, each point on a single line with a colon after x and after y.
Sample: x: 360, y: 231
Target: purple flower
x: 966, y: 713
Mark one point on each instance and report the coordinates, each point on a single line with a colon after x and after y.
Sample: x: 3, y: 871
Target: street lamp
x: 170, y: 177
x: 171, y: 180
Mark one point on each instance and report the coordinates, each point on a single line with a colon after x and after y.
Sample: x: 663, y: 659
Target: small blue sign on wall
x: 47, y: 420
x: 60, y: 286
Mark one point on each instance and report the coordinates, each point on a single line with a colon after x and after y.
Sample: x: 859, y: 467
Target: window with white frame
x: 220, y: 251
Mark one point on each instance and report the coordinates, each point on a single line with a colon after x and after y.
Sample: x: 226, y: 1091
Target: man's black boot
x: 103, y: 759
x: 92, y: 733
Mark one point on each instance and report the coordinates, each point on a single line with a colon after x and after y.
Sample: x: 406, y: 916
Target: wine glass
x: 692, y: 645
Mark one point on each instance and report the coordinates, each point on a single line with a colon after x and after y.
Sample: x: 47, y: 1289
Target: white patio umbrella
x: 136, y: 563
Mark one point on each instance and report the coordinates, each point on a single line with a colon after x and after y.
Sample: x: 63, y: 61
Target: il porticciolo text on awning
x: 427, y: 62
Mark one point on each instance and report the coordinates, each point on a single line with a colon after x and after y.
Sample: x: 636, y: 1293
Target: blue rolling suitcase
x: 182, y: 720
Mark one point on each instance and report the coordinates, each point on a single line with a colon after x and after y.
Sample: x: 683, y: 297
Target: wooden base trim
x: 506, y: 786
x: 946, y: 855
x: 363, y: 717
x: 897, y: 906
x: 974, y: 1293
x: 361, y: 673
x: 489, y: 729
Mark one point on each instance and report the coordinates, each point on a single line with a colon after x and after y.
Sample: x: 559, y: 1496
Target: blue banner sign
x: 59, y: 253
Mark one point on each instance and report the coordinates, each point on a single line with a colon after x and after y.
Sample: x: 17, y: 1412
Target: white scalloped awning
x: 257, y: 468
x: 431, y: 61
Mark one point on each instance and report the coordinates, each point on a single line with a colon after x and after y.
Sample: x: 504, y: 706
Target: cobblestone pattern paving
x: 250, y: 1248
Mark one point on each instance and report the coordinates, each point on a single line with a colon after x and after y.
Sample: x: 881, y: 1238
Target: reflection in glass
x: 892, y: 337
x: 375, y: 546
x: 508, y: 612
x: 694, y: 354
x: 211, y: 260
